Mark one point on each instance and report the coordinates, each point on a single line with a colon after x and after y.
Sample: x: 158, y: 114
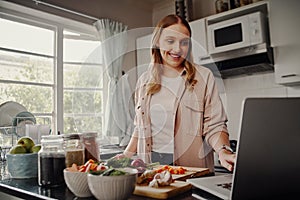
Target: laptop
x: 268, y: 161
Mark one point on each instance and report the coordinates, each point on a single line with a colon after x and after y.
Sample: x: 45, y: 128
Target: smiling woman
x: 180, y: 118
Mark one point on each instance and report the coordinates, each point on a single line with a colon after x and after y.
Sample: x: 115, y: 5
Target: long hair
x: 154, y: 85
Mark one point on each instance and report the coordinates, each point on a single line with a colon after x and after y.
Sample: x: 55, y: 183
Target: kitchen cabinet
x: 199, y: 42
x: 284, y: 33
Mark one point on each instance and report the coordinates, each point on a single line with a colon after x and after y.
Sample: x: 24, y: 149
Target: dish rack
x: 9, y: 135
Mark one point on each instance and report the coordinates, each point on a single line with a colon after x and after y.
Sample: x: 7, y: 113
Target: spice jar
x: 245, y: 2
x: 91, y: 145
x: 74, y: 149
x: 51, y: 161
x: 221, y: 5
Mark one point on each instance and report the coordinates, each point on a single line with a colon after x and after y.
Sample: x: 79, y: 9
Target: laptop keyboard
x: 225, y: 185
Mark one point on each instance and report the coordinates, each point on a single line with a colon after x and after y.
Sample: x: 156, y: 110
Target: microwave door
x: 229, y: 35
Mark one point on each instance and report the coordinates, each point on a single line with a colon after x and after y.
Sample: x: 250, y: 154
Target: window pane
x: 82, y: 102
x: 22, y: 67
x: 83, y: 51
x: 88, y: 76
x: 82, y: 124
x: 83, y: 83
x: 19, y: 36
x: 35, y: 99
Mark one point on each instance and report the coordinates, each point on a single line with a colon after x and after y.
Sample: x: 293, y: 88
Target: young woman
x: 179, y: 119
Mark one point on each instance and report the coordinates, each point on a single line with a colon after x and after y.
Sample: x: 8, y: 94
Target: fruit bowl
x: 22, y: 166
x: 77, y: 183
x: 113, y: 187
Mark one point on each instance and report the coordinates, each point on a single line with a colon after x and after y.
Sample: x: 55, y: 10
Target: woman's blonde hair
x: 154, y: 85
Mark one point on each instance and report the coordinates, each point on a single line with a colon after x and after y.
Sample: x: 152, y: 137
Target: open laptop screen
x: 268, y: 162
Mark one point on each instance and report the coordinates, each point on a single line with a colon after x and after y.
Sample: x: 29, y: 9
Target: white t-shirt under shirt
x: 162, y: 115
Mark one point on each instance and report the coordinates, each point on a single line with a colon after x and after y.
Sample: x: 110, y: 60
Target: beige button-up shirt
x: 200, y: 119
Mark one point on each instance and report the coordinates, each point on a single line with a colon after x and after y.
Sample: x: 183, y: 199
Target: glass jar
x: 91, y: 145
x: 51, y: 161
x: 74, y: 149
x: 221, y: 5
x: 245, y: 2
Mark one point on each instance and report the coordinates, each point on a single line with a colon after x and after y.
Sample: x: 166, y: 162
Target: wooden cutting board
x: 177, y: 187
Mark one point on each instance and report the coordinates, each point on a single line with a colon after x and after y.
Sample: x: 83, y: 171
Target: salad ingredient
x: 161, y: 179
x: 89, y: 166
x: 119, y: 162
x: 172, y: 170
x: 138, y: 163
x: 146, y: 177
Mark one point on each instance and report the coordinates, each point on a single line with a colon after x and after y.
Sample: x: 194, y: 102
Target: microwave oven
x: 235, y: 33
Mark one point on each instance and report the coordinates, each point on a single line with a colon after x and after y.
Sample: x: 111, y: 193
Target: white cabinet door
x: 284, y: 31
x: 199, y: 42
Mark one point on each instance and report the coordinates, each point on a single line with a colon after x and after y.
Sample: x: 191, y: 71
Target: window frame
x: 22, y: 14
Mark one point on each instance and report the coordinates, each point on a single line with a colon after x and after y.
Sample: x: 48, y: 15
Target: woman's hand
x: 119, y: 156
x: 227, y: 159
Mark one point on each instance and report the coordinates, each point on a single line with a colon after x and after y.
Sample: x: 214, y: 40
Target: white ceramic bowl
x: 113, y: 187
x: 77, y: 183
x: 22, y: 166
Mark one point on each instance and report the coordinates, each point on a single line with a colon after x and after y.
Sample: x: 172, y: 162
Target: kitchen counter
x: 29, y: 189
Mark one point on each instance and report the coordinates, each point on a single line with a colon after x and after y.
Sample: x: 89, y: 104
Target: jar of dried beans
x: 74, y: 149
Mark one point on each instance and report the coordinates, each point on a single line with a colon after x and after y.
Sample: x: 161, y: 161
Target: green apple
x: 26, y: 142
x: 17, y: 149
x: 36, y: 148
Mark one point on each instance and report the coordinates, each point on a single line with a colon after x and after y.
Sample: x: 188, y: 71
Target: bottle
x: 51, y: 161
x: 221, y: 5
x: 245, y: 2
x: 91, y: 146
x: 74, y: 149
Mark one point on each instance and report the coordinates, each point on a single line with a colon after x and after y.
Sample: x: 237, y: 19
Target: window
x: 83, y: 84
x: 42, y: 56
x: 27, y: 66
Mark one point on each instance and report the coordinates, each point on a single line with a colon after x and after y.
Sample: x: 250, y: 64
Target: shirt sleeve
x: 215, y: 118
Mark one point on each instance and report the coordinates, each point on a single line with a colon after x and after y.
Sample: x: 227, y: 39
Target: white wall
x: 162, y: 9
x: 258, y: 85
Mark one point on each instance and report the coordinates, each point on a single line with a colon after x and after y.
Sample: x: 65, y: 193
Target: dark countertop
x: 29, y: 189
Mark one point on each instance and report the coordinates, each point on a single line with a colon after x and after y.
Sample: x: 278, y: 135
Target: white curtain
x: 113, y: 36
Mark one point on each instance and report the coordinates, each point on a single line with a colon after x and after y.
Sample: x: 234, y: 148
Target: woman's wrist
x: 128, y: 154
x: 225, y: 148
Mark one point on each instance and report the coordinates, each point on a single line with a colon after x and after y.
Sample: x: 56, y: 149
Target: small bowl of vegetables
x: 113, y: 183
x: 76, y: 177
x: 77, y: 183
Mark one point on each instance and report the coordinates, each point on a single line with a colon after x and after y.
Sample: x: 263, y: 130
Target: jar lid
x: 71, y: 136
x: 51, y: 138
x: 89, y: 134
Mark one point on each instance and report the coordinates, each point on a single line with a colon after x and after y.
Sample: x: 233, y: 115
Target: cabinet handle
x: 288, y: 75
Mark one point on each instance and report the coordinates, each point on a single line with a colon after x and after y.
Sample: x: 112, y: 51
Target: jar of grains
x: 74, y: 149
